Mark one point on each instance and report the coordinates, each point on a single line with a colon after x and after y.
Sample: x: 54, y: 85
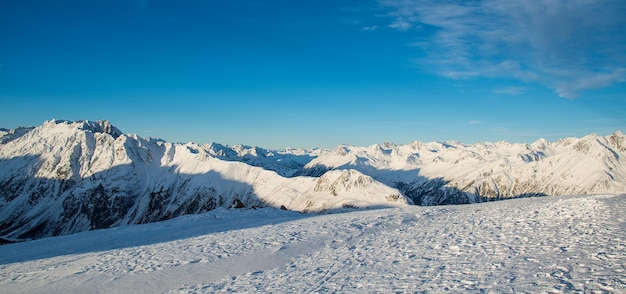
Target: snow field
x: 486, y: 248
x: 547, y: 245
x: 67, y: 177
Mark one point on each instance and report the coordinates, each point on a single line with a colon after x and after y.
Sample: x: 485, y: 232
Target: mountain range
x: 65, y: 177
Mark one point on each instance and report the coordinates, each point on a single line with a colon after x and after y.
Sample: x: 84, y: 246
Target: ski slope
x: 532, y: 245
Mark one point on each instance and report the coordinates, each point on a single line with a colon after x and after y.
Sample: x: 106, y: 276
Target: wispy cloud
x: 370, y: 28
x: 514, y: 90
x: 475, y: 122
x: 566, y: 45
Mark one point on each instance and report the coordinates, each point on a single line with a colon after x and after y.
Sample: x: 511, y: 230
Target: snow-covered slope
x: 539, y: 245
x: 451, y: 172
x: 66, y: 177
x: 285, y: 162
x: 7, y: 135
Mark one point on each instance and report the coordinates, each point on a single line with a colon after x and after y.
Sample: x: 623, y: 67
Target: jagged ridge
x: 65, y: 177
x: 451, y: 173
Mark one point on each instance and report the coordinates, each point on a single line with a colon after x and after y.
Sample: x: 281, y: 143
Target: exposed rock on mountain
x: 64, y: 177
x: 452, y: 173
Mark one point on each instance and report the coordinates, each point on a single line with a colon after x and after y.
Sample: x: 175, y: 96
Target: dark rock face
x: 435, y: 192
x: 66, y: 177
x: 53, y: 192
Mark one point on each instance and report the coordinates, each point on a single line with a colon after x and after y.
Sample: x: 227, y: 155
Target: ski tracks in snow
x: 549, y: 245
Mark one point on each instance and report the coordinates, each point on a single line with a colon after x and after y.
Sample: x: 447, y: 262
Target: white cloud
x: 370, y: 28
x: 566, y: 45
x: 569, y: 89
x: 475, y: 122
x: 514, y: 90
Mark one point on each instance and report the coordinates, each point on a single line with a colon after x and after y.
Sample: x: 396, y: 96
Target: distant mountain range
x: 69, y: 176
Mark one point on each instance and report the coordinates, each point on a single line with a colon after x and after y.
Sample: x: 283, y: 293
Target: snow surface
x: 486, y: 171
x: 67, y: 177
x: 7, y: 135
x: 531, y: 245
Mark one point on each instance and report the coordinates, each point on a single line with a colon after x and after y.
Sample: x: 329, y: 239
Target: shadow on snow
x: 135, y: 205
x: 120, y: 198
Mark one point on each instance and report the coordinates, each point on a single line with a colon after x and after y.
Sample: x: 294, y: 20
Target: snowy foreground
x: 536, y: 245
x: 66, y: 177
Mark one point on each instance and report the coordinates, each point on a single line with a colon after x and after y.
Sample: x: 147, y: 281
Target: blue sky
x: 318, y: 73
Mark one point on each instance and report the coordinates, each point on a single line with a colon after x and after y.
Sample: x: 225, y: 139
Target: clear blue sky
x: 318, y: 73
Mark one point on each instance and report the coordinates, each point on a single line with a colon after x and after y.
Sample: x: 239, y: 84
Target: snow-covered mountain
x: 452, y: 173
x: 7, y: 135
x: 286, y: 162
x: 65, y: 177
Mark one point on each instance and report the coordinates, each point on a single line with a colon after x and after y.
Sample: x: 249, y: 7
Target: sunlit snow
x: 532, y: 245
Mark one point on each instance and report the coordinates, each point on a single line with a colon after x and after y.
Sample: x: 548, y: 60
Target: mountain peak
x: 70, y: 176
x: 7, y: 135
x: 618, y: 140
x: 100, y: 126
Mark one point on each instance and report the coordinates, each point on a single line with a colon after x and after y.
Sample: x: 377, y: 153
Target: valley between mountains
x: 65, y: 177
